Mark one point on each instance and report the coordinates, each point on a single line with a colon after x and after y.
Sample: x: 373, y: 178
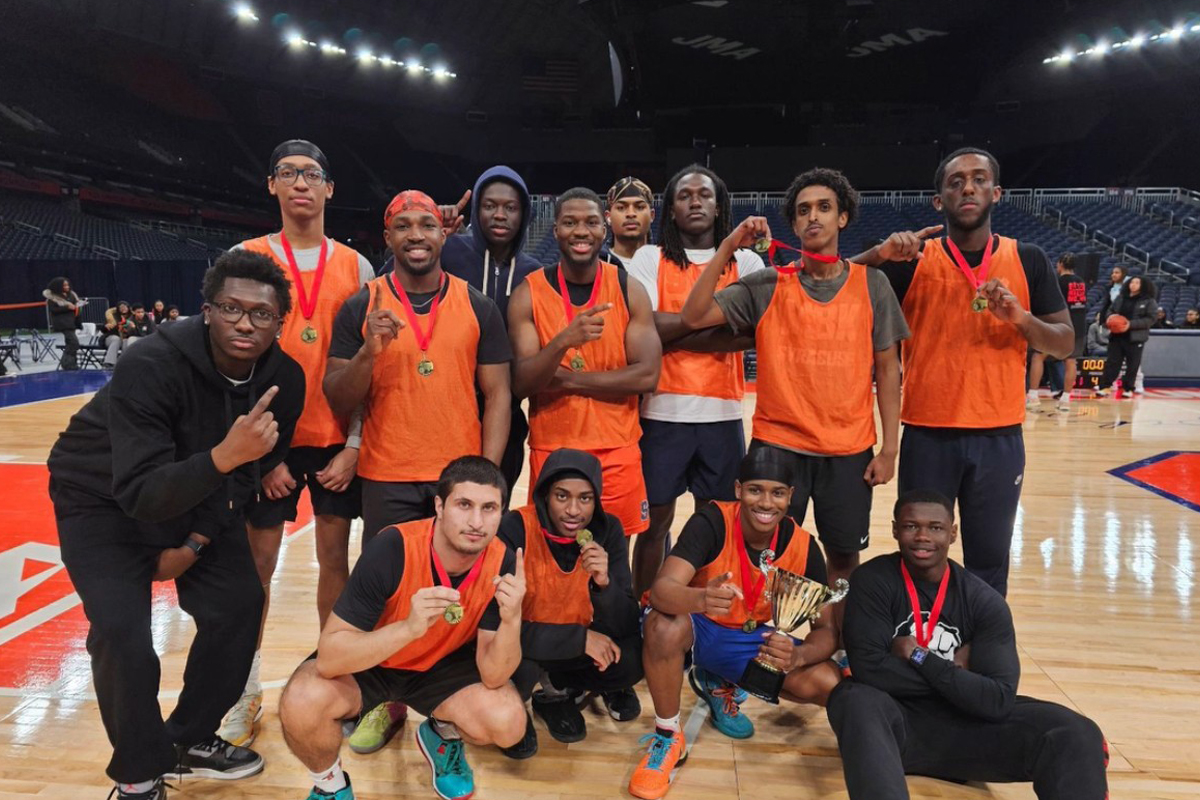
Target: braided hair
x: 669, y: 236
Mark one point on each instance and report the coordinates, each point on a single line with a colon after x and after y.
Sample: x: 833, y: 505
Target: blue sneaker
x: 727, y: 716
x: 345, y: 793
x: 452, y: 777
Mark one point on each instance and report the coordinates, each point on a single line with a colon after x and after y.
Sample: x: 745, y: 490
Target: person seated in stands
x: 1191, y: 322
x: 1161, y: 322
x: 1097, y: 338
x: 172, y: 314
x: 158, y: 312
x: 143, y: 324
x: 63, y: 305
x: 118, y: 325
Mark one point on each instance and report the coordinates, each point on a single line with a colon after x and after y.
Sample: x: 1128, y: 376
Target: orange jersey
x: 815, y: 364
x: 794, y: 559
x: 414, y: 424
x: 551, y: 595
x: 717, y: 375
x: 558, y: 419
x: 962, y: 368
x: 307, y: 340
x: 442, y: 638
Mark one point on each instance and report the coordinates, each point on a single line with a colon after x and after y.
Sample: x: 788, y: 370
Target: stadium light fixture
x: 1137, y: 41
x: 1177, y: 32
x: 245, y: 13
x: 1067, y: 56
x: 294, y: 39
x: 415, y: 68
x: 365, y: 56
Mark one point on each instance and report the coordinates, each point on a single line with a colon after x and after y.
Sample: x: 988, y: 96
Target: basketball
x: 1117, y: 324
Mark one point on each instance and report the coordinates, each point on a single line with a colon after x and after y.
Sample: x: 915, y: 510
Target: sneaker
x: 1100, y: 394
x: 452, y: 777
x: 1032, y: 401
x: 622, y: 705
x: 561, y: 715
x: 527, y: 747
x: 1064, y: 402
x: 842, y: 661
x: 218, y: 759
x: 240, y: 726
x: 377, y: 727
x: 652, y: 777
x: 157, y: 792
x: 727, y: 716
x: 345, y: 793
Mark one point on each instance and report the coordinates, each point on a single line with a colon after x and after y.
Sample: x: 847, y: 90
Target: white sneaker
x: 1032, y: 401
x: 240, y: 725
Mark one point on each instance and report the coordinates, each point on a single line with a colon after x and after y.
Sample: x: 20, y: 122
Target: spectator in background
x: 63, y: 306
x: 118, y: 324
x: 1191, y: 322
x: 1161, y: 322
x: 172, y: 314
x: 1097, y: 338
x: 143, y: 324
x: 1074, y: 291
x: 1117, y: 279
x: 158, y: 312
x: 1129, y: 321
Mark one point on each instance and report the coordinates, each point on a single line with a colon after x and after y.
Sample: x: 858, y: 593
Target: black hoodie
x: 615, y: 612
x: 146, y: 444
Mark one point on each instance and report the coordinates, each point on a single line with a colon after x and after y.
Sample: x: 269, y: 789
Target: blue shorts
x: 725, y: 651
x: 700, y: 457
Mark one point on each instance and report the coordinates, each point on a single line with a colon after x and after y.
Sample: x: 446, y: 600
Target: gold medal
x: 979, y: 304
x: 583, y: 537
x: 308, y: 335
x: 762, y: 245
x: 749, y: 625
x: 577, y: 363
x: 424, y: 367
x: 453, y: 614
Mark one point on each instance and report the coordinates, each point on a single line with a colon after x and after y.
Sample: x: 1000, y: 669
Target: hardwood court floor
x: 1102, y: 590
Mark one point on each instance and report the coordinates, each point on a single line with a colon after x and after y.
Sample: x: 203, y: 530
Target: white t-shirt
x: 686, y: 407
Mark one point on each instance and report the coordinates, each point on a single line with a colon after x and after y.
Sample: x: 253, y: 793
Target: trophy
x: 794, y: 601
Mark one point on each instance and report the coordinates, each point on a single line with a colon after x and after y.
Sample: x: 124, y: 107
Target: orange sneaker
x: 652, y: 777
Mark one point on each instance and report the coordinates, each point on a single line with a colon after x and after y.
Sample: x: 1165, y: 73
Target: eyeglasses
x: 287, y: 175
x: 259, y: 317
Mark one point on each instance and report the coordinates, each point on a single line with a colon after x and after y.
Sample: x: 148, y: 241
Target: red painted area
x: 42, y: 639
x: 1179, y: 475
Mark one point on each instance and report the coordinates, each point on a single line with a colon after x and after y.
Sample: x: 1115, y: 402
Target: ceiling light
x: 1137, y: 41
x: 365, y: 56
x: 294, y: 39
x: 1177, y: 32
x: 245, y: 13
x: 1067, y: 55
x: 414, y: 67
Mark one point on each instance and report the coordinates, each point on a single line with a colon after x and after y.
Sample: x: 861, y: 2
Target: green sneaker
x: 345, y: 793
x: 377, y: 727
x: 452, y: 776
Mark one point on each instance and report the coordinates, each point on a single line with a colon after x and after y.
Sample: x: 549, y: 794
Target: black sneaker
x: 561, y: 715
x: 157, y: 792
x: 527, y: 747
x: 218, y: 759
x: 622, y: 705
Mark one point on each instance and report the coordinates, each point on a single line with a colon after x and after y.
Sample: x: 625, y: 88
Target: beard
x: 985, y: 217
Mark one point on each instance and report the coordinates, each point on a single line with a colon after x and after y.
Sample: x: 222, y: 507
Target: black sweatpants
x: 582, y: 673
x: 1122, y: 351
x: 70, y: 348
x: 983, y: 474
x: 513, y: 460
x: 112, y: 568
x: 881, y: 739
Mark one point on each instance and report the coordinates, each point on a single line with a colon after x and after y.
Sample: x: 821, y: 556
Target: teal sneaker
x: 345, y: 793
x: 727, y: 716
x: 377, y: 727
x: 452, y: 776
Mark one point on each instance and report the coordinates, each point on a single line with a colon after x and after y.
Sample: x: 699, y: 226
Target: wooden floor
x: 1102, y: 591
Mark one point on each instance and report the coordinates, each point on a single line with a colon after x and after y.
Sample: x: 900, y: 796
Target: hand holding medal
x: 1000, y: 301
x: 583, y: 327
x: 593, y: 557
x: 430, y: 604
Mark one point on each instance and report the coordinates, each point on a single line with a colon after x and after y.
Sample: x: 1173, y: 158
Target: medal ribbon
x: 559, y: 539
x: 444, y: 577
x: 423, y: 337
x: 972, y: 279
x: 924, y: 632
x: 775, y: 246
x: 308, y: 304
x: 751, y: 589
x: 566, y: 297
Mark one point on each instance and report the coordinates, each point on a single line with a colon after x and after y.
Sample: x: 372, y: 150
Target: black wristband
x: 194, y: 545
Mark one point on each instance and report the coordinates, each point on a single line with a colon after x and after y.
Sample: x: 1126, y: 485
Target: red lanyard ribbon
x: 308, y: 303
x: 774, y: 245
x: 560, y: 539
x: 443, y: 577
x: 752, y: 589
x: 423, y: 337
x: 975, y: 281
x: 924, y: 632
x: 568, y: 308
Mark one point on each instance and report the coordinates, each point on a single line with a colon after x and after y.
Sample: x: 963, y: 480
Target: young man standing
x: 827, y: 333
x: 692, y: 433
x: 935, y: 665
x: 150, y: 481
x: 431, y: 617
x: 709, y: 599
x: 629, y: 215
x: 1074, y: 292
x: 324, y: 453
x: 580, y: 623
x: 584, y: 339
x: 976, y: 303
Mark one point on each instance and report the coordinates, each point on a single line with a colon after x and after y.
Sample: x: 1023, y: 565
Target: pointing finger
x: 925, y: 233
x: 376, y: 301
x: 520, y: 574
x: 600, y: 309
x: 261, y: 406
x: 462, y: 203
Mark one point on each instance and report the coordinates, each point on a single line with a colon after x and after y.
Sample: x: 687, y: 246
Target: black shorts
x: 700, y: 457
x: 304, y: 463
x: 841, y: 498
x: 1080, y: 349
x: 387, y: 503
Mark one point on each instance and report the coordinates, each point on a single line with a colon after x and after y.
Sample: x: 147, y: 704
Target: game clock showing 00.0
x: 1089, y: 372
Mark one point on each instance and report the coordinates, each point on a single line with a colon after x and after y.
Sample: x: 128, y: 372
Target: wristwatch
x: 918, y: 656
x: 195, y: 546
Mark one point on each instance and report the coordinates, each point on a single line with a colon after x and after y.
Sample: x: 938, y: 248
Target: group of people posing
x: 397, y: 398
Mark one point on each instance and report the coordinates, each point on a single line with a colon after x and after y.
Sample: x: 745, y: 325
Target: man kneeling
x: 935, y: 667
x: 431, y: 617
x: 708, y: 597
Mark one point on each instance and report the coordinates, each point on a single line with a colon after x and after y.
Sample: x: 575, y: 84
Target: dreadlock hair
x: 251, y: 266
x: 939, y: 175
x: 668, y: 231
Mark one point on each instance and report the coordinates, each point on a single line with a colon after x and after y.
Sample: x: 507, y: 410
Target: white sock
x: 444, y: 729
x: 135, y: 788
x: 330, y: 780
x: 667, y: 724
x: 1032, y: 394
x: 253, y: 683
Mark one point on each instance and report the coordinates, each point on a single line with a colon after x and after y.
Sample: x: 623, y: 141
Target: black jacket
x: 1140, y: 311
x: 145, y: 445
x: 615, y: 612
x: 62, y: 316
